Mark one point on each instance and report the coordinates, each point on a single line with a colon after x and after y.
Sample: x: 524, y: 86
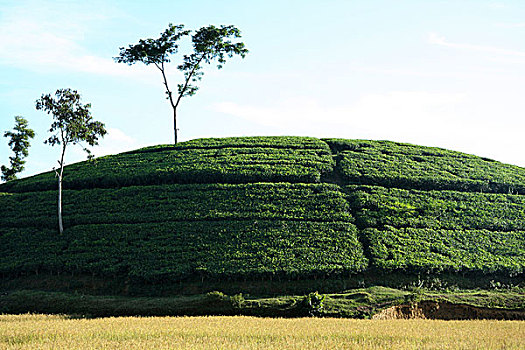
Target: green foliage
x: 313, y: 303
x: 72, y: 124
x: 30, y: 250
x: 378, y: 207
x: 19, y: 144
x: 172, y: 231
x: 80, y: 305
x: 277, y: 142
x: 209, y: 43
x: 435, y: 231
x: 237, y: 301
x: 357, y: 303
x: 288, y: 142
x: 400, y: 165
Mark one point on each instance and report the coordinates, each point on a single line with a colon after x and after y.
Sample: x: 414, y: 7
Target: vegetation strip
x: 373, y: 302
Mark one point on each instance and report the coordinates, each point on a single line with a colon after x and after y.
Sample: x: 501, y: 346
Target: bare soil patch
x: 444, y: 310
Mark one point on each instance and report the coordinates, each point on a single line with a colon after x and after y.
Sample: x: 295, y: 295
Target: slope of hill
x: 267, y: 215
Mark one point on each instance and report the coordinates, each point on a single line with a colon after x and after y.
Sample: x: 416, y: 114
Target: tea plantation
x: 267, y: 215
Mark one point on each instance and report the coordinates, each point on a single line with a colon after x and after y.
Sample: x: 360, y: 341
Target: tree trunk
x: 60, y: 177
x: 175, y: 123
x: 60, y: 225
x: 170, y: 97
x: 181, y: 92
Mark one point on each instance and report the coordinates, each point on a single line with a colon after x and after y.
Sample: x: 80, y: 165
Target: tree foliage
x: 72, y: 120
x: 72, y: 124
x: 19, y: 144
x: 209, y: 44
x: 154, y: 51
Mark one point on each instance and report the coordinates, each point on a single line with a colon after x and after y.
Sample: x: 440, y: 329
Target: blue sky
x: 438, y: 73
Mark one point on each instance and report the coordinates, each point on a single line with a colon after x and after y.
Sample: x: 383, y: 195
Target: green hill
x: 270, y: 215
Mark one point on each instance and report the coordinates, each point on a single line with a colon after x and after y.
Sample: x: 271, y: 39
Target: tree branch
x: 186, y: 83
x: 168, y: 91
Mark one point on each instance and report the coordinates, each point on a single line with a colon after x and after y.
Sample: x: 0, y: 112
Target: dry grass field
x: 57, y: 332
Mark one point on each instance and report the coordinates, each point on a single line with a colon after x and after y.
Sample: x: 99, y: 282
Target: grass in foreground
x: 58, y: 332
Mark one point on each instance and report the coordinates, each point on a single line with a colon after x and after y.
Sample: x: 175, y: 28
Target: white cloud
x: 426, y: 118
x: 390, y: 110
x: 115, y: 141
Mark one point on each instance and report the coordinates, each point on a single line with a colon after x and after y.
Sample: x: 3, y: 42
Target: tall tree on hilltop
x: 209, y: 44
x: 19, y: 144
x: 72, y: 124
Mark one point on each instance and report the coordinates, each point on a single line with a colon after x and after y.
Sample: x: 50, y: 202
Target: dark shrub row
x: 174, y: 202
x: 425, y: 251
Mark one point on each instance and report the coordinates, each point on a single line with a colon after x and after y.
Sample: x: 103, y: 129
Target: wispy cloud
x: 510, y: 25
x: 36, y: 36
x: 437, y: 39
x: 436, y: 72
x: 496, y: 5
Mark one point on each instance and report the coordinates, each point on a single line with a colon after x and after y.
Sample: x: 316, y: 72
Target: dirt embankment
x: 444, y: 310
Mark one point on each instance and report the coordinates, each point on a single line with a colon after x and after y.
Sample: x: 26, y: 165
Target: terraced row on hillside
x: 178, y: 202
x: 264, y: 159
x: 392, y: 164
x: 260, y: 206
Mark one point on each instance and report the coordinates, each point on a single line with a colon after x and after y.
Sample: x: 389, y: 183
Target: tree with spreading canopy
x: 210, y: 44
x: 19, y: 144
x: 72, y: 124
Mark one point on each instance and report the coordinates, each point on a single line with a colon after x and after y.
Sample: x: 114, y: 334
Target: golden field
x: 58, y: 332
